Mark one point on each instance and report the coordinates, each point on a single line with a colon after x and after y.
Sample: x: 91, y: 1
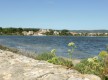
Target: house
x: 106, y: 34
x: 30, y: 33
x: 43, y: 31
x: 91, y: 34
x: 27, y: 33
x: 56, y: 33
x: 24, y: 32
x: 73, y: 33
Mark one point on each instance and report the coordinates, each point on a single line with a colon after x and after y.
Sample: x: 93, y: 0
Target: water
x: 86, y: 46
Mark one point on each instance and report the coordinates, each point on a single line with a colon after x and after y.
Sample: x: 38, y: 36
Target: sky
x: 55, y: 14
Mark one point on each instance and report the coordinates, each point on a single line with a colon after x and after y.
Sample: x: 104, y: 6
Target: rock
x: 17, y: 67
x: 92, y: 77
x: 53, y: 77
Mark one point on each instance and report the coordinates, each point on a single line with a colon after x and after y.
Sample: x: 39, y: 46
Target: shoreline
x: 14, y: 66
x: 32, y: 55
x: 53, y: 35
x: 16, y: 51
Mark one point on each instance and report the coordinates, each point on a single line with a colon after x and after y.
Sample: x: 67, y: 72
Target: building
x: 73, y: 33
x: 30, y: 33
x: 56, y: 33
x: 24, y: 32
x: 27, y: 33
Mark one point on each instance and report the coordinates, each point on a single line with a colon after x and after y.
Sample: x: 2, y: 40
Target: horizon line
x: 52, y: 28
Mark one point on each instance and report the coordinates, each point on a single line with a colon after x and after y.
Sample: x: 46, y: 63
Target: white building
x: 24, y: 32
x: 27, y: 33
x: 56, y: 33
x: 30, y: 33
x: 44, y: 30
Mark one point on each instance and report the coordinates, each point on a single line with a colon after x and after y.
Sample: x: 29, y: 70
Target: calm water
x: 86, y: 46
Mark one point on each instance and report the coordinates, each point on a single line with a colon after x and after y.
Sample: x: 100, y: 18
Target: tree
x: 50, y: 33
x: 64, y: 32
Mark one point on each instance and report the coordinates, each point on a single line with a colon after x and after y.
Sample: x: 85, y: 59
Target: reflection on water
x: 86, y: 46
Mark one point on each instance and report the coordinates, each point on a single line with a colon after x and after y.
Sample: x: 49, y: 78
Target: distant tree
x: 51, y: 32
x: 19, y: 30
x: 0, y: 28
x: 65, y: 32
x: 35, y: 30
x: 31, y: 29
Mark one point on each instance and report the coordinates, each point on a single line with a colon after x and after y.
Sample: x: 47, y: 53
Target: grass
x: 52, y: 58
x: 31, y: 55
x: 8, y: 49
x: 45, y: 56
x: 61, y: 61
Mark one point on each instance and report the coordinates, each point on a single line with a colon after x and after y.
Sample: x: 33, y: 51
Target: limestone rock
x: 17, y: 67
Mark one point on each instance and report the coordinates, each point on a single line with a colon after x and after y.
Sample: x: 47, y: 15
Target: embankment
x: 19, y: 67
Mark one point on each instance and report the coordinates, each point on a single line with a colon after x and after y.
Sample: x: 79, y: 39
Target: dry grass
x: 31, y: 55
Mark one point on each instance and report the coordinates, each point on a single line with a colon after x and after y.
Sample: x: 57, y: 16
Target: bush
x: 91, y: 66
x: 106, y: 67
x: 102, y: 54
x: 70, y: 51
x: 104, y: 57
x: 61, y: 61
x: 52, y: 58
x: 97, y: 65
x: 45, y: 56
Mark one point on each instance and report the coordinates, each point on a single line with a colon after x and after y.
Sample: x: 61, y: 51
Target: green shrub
x: 91, y: 66
x: 106, y: 67
x: 52, y: 58
x: 45, y: 56
x: 70, y: 51
x: 102, y: 54
x: 53, y: 51
x: 104, y: 58
x: 61, y: 61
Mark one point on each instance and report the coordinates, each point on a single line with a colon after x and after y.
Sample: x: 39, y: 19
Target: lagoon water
x: 85, y: 46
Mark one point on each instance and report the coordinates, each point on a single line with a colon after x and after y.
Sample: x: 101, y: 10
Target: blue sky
x: 55, y: 14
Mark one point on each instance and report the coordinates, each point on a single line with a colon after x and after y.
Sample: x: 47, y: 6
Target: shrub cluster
x: 45, y: 56
x: 52, y: 58
x: 90, y: 66
x: 97, y: 65
x: 61, y: 61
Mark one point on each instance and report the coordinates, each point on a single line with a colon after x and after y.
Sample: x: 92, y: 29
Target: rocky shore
x: 18, y: 67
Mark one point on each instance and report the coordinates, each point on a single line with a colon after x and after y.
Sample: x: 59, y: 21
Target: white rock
x: 20, y: 67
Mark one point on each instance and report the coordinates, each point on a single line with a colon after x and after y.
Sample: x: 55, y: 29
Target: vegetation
x: 70, y: 51
x: 106, y: 67
x: 50, y: 33
x: 31, y: 55
x: 15, y: 31
x: 21, y: 31
x: 45, y: 56
x: 52, y: 58
x: 90, y: 66
x: 97, y: 65
x: 61, y: 61
x: 103, y: 54
x: 64, y: 32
